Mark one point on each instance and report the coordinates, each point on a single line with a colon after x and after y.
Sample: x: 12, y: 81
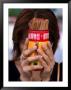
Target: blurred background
x: 13, y: 13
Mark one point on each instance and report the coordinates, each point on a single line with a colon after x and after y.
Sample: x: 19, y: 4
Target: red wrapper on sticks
x: 38, y: 33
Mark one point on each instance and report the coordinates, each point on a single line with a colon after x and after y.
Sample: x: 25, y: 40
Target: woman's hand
x: 45, y: 58
x: 47, y: 61
x: 25, y: 60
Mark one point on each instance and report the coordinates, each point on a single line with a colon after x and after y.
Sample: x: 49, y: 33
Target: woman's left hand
x: 47, y: 61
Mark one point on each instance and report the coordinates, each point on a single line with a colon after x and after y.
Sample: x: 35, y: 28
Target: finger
x: 45, y: 65
x: 46, y: 58
x: 26, y: 44
x: 32, y: 68
x: 29, y: 51
x: 50, y: 55
x: 53, y: 63
x: 47, y: 51
x: 30, y: 59
x: 22, y: 58
x: 26, y: 68
x: 36, y: 67
x: 49, y: 46
x: 24, y: 63
x: 33, y: 58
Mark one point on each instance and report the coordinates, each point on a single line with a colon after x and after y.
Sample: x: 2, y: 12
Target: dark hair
x: 20, y: 31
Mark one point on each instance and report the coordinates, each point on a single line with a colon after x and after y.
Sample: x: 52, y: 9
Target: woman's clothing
x: 14, y: 73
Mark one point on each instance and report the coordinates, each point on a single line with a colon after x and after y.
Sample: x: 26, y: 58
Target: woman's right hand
x: 26, y: 59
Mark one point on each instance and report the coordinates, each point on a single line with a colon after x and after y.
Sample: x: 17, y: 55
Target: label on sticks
x: 38, y: 35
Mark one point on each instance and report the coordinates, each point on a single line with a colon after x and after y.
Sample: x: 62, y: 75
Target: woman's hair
x: 21, y: 27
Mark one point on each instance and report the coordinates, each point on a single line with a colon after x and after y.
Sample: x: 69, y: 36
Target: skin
x: 46, y: 58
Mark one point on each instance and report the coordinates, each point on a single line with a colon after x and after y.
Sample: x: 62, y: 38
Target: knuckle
x: 46, y: 57
x: 49, y: 69
x: 25, y: 53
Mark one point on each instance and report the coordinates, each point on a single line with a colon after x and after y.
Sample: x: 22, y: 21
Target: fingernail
x: 38, y: 50
x: 35, y: 47
x: 40, y: 56
x: 43, y: 45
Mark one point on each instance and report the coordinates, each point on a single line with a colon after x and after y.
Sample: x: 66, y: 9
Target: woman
x: 19, y: 68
